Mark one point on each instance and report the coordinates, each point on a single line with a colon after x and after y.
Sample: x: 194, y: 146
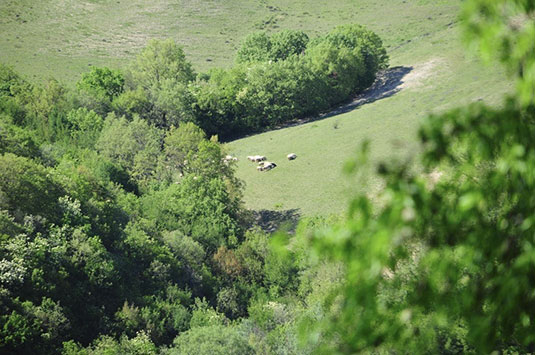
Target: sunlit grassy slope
x: 442, y: 76
x: 63, y: 38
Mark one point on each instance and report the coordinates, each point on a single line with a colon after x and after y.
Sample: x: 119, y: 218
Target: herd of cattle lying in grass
x: 263, y: 164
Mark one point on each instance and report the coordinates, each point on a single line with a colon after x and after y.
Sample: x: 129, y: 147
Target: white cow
x: 291, y: 156
x: 256, y: 158
x: 265, y: 166
x: 227, y: 159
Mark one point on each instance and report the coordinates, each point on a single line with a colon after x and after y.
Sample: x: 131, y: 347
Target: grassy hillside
x: 64, y: 38
x: 439, y: 74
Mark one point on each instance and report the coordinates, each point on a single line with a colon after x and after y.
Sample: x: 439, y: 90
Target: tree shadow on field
x: 387, y: 83
x: 271, y: 220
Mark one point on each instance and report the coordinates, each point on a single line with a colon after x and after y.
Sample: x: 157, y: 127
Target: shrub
x: 26, y: 188
x: 135, y: 146
x: 215, y: 339
x: 98, y: 88
x: 283, y: 77
x: 163, y: 73
x: 85, y: 126
x: 259, y: 47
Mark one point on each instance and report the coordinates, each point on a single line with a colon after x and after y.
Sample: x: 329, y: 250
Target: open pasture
x: 432, y: 73
x: 62, y: 39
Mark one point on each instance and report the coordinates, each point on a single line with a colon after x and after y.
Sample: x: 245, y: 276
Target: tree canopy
x: 446, y: 265
x: 122, y: 226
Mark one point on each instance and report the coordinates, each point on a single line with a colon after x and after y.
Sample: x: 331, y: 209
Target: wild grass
x: 63, y: 38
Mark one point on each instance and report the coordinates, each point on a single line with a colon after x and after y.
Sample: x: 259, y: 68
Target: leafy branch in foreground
x: 445, y: 263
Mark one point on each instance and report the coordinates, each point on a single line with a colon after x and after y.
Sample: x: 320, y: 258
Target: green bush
x: 98, y: 88
x: 283, y: 77
x: 209, y: 340
x: 163, y: 73
x: 102, y: 83
x: 26, y: 188
x: 259, y: 47
x: 85, y: 127
x: 16, y: 140
x: 134, y: 145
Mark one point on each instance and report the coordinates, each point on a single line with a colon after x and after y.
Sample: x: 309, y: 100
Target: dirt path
x: 422, y: 71
x: 387, y: 83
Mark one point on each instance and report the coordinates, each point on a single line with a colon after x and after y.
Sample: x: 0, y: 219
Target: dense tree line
x: 108, y: 225
x: 276, y: 78
x: 122, y: 229
x: 114, y: 232
x: 286, y: 76
x: 121, y: 225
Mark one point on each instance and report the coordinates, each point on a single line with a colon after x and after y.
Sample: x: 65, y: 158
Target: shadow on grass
x: 387, y: 83
x: 272, y: 220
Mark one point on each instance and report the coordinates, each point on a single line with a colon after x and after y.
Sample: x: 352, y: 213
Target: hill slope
x: 433, y: 73
x: 63, y: 38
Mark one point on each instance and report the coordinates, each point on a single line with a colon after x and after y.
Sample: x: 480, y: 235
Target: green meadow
x: 62, y: 39
x: 440, y: 74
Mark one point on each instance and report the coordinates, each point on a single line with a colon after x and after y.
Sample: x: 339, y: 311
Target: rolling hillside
x: 432, y: 72
x: 63, y: 38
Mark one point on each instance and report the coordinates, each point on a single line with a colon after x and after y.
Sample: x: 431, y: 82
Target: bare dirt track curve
x: 387, y: 83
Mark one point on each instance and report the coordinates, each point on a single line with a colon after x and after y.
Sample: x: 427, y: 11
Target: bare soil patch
x: 420, y: 73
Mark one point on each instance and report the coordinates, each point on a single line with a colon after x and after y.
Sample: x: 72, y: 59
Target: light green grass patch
x: 442, y: 77
x: 63, y: 38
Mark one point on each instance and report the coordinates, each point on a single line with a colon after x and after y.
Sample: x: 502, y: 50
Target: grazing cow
x: 228, y: 159
x: 256, y: 158
x: 265, y: 166
x: 291, y: 156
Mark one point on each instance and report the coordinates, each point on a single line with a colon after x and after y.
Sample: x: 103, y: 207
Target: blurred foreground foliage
x: 122, y: 229
x: 444, y: 263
